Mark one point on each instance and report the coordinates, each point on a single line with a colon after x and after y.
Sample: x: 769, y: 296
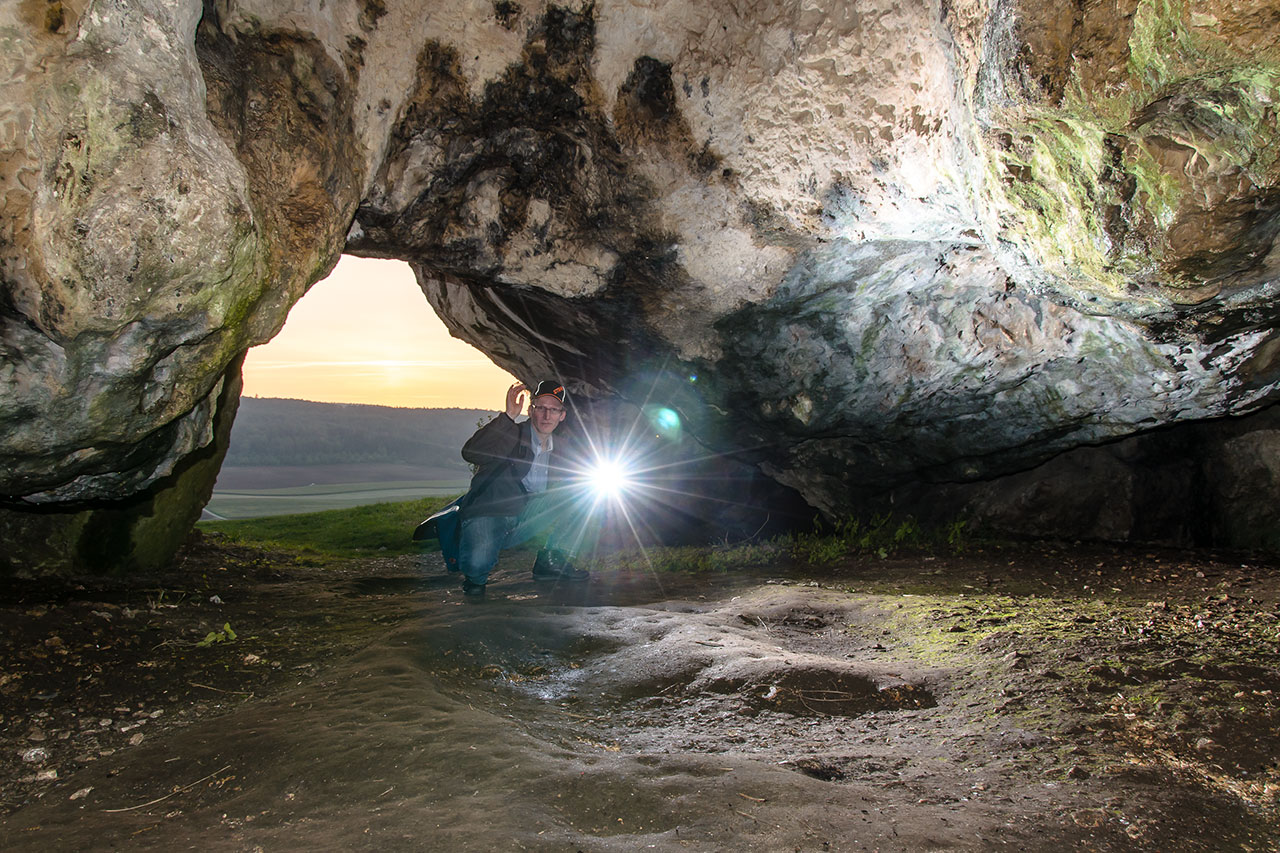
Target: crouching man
x: 517, y: 492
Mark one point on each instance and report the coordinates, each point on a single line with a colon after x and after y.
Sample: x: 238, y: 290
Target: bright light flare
x: 610, y: 478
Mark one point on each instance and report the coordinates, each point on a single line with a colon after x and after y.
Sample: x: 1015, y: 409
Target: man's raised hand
x: 515, y: 399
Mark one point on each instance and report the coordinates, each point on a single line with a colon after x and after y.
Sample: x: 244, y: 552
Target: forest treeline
x: 298, y: 432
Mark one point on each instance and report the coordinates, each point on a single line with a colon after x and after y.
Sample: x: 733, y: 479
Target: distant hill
x: 271, y: 432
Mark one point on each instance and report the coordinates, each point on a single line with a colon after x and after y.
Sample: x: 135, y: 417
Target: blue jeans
x: 472, y: 545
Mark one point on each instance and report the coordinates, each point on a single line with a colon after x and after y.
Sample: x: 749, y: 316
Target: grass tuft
x: 879, y: 536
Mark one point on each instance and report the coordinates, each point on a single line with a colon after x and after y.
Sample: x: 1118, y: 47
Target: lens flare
x: 610, y: 478
x: 665, y: 421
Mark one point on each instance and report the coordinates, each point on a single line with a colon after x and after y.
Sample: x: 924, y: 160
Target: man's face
x: 546, y: 413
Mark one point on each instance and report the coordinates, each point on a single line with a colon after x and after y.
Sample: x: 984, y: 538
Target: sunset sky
x: 366, y: 334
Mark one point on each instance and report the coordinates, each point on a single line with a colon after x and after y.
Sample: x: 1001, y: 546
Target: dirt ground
x: 1034, y: 698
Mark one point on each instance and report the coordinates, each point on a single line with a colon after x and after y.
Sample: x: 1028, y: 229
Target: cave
x: 995, y: 263
x: 1003, y: 264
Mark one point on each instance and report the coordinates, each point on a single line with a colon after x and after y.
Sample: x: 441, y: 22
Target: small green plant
x: 690, y: 559
x: 818, y: 549
x: 879, y: 535
x: 226, y: 635
x: 908, y: 533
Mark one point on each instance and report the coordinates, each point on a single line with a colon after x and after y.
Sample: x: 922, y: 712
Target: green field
x: 258, y: 503
x: 381, y: 528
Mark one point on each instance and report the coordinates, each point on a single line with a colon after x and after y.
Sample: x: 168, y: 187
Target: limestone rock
x: 888, y: 248
x: 138, y: 533
x: 862, y: 245
x: 144, y: 246
x: 1200, y: 484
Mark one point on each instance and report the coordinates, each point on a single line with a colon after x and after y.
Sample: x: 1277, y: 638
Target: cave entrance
x: 363, y: 397
x: 366, y: 334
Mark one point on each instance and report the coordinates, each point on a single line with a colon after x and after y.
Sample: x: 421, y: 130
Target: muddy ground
x: 1033, y: 698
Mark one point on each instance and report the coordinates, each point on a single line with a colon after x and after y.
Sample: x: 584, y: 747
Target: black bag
x: 429, y: 528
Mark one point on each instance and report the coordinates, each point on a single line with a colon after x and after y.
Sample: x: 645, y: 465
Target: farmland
x: 296, y: 456
x: 256, y: 491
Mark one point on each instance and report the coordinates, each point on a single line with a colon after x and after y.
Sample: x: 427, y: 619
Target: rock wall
x: 139, y: 532
x: 162, y: 213
x: 862, y: 245
x: 1204, y: 484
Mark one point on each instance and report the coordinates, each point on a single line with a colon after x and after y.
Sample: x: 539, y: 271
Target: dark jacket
x: 503, y: 451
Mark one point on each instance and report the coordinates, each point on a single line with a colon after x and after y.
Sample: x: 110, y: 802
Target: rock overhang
x: 937, y: 243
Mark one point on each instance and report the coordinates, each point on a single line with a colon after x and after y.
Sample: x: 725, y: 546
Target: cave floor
x: 1035, y: 697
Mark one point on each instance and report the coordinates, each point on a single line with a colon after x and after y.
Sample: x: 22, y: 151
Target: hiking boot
x: 472, y: 589
x: 556, y: 566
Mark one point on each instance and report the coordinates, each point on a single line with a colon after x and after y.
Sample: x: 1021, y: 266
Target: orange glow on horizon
x: 366, y: 334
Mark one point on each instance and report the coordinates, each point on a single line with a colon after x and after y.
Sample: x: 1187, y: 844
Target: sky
x: 366, y: 334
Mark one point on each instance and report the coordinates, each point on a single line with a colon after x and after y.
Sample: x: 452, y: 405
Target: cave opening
x: 362, y: 397
x: 365, y: 334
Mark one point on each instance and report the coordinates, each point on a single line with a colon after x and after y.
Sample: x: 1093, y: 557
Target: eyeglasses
x: 551, y: 410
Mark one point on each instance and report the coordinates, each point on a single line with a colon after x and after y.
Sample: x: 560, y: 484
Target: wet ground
x: 1033, y: 698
